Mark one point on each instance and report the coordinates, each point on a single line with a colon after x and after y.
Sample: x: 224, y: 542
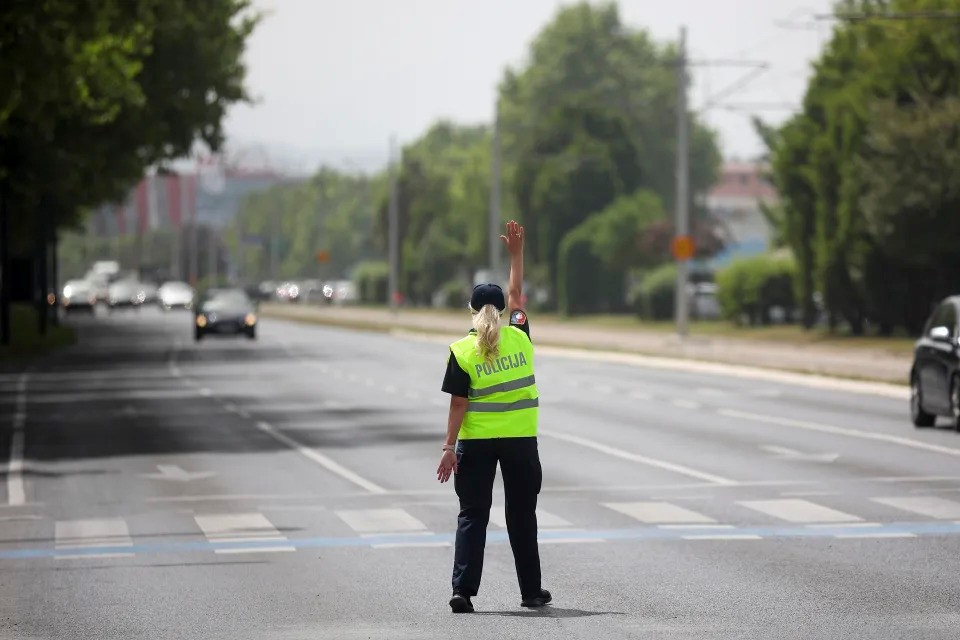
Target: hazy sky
x: 335, y: 78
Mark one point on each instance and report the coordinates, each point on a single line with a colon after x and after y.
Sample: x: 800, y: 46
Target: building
x: 735, y: 202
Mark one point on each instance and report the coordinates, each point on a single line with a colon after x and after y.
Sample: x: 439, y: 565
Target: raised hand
x: 514, y: 238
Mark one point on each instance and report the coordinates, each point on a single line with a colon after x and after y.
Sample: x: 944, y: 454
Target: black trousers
x: 522, y: 477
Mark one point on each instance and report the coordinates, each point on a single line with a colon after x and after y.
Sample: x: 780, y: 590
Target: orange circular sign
x: 682, y: 247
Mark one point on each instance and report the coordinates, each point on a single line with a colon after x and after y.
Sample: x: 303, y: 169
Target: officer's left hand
x: 448, y: 465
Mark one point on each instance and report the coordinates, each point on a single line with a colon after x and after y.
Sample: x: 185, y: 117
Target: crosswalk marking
x: 241, y: 527
x: 381, y: 521
x: 930, y: 506
x: 91, y: 533
x: 545, y: 519
x: 658, y: 513
x: 797, y: 510
x: 731, y: 536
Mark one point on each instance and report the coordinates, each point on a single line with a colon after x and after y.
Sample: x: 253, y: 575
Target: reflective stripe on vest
x: 503, y: 392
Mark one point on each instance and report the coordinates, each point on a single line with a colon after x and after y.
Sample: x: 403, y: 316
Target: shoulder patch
x: 518, y: 317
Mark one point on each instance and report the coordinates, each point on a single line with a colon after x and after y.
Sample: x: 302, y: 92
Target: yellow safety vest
x: 503, y: 399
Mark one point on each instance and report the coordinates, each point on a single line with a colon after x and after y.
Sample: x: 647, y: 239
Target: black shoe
x: 537, y: 601
x: 461, y: 603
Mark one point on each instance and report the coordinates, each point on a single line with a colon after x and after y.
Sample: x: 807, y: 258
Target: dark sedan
x: 225, y: 312
x: 935, y: 375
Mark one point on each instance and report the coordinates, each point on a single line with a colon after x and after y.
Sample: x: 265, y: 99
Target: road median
x: 853, y: 363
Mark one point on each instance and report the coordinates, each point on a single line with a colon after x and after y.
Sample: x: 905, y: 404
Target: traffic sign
x: 682, y: 247
x: 323, y: 256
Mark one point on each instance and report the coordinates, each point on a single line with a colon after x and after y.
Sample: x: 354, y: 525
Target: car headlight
x: 251, y: 319
x: 201, y: 321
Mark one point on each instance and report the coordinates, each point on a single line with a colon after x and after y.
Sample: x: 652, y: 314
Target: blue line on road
x: 500, y: 537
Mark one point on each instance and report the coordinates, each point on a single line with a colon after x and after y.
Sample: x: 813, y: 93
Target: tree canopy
x: 867, y: 170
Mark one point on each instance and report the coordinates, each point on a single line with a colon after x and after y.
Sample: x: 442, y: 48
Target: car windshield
x: 230, y: 299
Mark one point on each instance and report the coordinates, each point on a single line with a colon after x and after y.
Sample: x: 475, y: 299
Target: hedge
x: 653, y: 298
x: 372, y: 279
x: 749, y: 288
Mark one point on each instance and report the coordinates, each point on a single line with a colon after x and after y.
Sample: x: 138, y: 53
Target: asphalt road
x: 286, y: 488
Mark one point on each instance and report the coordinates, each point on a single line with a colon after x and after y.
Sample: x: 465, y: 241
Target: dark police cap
x: 484, y: 294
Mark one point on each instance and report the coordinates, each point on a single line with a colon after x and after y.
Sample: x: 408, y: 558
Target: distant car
x: 151, y: 293
x: 935, y: 374
x: 175, y: 295
x: 79, y: 295
x: 125, y: 293
x: 225, y: 311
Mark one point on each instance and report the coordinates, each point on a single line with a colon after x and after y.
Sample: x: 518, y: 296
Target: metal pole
x: 192, y: 230
x: 212, y: 266
x: 495, y: 214
x: 683, y: 183
x: 394, y: 229
x: 176, y: 267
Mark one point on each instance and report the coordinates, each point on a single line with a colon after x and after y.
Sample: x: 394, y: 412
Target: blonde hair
x: 487, y: 323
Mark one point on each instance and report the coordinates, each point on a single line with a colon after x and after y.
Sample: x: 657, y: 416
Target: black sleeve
x: 456, y: 381
x: 519, y: 319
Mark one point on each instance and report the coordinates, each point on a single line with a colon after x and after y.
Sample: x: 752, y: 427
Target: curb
x: 639, y: 359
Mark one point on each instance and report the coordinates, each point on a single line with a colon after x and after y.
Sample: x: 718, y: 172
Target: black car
x: 225, y: 311
x: 935, y: 375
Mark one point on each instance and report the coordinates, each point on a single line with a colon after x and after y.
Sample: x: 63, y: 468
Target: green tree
x: 590, y: 119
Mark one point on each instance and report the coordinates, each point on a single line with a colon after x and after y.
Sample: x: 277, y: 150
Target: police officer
x: 493, y: 418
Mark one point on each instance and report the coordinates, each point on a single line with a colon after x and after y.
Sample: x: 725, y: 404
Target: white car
x: 175, y: 295
x: 79, y: 295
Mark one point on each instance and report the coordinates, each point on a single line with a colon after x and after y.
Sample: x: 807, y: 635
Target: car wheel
x: 955, y: 401
x: 919, y: 417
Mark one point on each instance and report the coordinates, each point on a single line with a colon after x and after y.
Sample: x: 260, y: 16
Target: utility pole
x: 212, y: 266
x: 682, y: 310
x: 192, y: 230
x: 495, y: 198
x: 393, y: 241
x: 176, y: 250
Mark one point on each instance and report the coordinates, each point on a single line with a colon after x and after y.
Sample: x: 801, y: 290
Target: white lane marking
x: 709, y: 391
x: 720, y: 536
x: 634, y: 457
x: 882, y: 534
x: 695, y: 527
x: 16, y: 491
x: 845, y: 525
x: 797, y: 510
x: 390, y: 389
x: 602, y: 388
x: 229, y: 406
x: 380, y: 521
x: 334, y: 404
x: 584, y: 540
x: 410, y: 545
x: 659, y: 513
x: 840, y: 431
x: 640, y: 395
x: 172, y: 361
x: 89, y: 533
x: 930, y: 506
x: 545, y: 519
x: 241, y: 527
x: 807, y: 494
x: 205, y: 392
x: 118, y: 395
x: 239, y: 497
x: 322, y: 460
x: 16, y: 518
x: 685, y: 404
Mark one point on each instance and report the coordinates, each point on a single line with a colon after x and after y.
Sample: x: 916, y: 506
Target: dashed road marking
x: 798, y: 510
